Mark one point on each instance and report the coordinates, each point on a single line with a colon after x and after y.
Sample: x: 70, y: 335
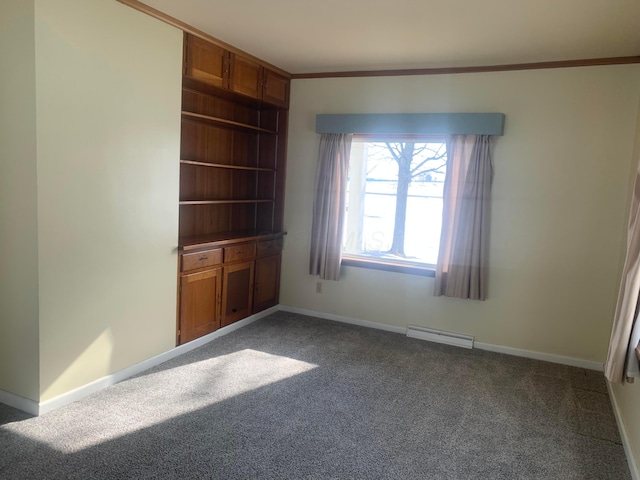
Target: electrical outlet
x: 319, y: 287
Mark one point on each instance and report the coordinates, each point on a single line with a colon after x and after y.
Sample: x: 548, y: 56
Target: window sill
x: 389, y: 266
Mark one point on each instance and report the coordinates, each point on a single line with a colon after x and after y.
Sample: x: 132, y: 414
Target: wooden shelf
x: 222, y: 202
x: 232, y: 167
x: 205, y: 88
x: 221, y: 122
x: 199, y: 241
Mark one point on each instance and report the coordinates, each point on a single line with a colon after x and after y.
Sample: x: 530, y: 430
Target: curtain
x: 329, y: 205
x: 622, y: 364
x: 461, y: 270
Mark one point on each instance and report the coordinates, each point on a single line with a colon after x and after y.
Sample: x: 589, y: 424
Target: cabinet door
x: 266, y: 287
x: 207, y: 62
x: 237, y: 292
x: 246, y: 76
x: 199, y: 304
x: 275, y: 89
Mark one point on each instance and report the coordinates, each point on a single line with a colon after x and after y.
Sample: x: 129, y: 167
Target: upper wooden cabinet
x: 206, y: 61
x: 245, y: 77
x: 218, y: 67
x: 275, y: 88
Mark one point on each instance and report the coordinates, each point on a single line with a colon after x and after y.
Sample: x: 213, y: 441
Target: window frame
x: 389, y: 265
x: 424, y: 270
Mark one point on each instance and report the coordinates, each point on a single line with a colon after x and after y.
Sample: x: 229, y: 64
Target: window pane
x: 395, y: 180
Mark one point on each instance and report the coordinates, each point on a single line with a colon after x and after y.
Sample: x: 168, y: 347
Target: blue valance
x: 412, y: 123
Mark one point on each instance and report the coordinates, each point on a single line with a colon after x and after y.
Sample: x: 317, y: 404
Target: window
x: 394, y: 202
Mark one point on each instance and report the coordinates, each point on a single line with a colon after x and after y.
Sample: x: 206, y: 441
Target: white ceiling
x: 310, y: 36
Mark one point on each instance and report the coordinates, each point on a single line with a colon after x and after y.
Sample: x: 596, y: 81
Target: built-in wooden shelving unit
x: 232, y: 150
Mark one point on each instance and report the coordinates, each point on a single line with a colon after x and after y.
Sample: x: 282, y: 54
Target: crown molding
x: 590, y: 62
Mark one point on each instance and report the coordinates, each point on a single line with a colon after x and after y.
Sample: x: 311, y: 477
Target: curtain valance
x: 412, y: 123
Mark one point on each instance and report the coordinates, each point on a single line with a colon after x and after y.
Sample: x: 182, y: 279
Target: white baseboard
x: 340, y: 318
x: 624, y: 436
x: 547, y: 357
x: 21, y: 403
x: 34, y: 408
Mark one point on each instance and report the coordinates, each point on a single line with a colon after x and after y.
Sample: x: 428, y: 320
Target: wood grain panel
x: 269, y: 119
x: 237, y: 293
x: 215, y: 106
x: 220, y: 145
x: 202, y: 183
x: 203, y: 219
x: 200, y: 299
x: 245, y: 148
x: 266, y: 185
x: 236, y: 253
x: 266, y: 289
x: 281, y: 166
x: 207, y: 258
x: 266, y: 248
x: 206, y: 61
x: 265, y: 217
x: 246, y: 76
x: 275, y: 88
x: 268, y: 151
x: 244, y: 184
x: 207, y: 143
x: 193, y: 141
x: 243, y: 217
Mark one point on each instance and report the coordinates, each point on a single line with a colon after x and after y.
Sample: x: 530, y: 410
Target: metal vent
x: 438, y: 336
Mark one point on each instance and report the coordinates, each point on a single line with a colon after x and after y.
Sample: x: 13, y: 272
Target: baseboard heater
x: 438, y: 336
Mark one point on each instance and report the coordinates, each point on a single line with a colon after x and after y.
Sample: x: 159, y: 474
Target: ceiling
x: 305, y: 36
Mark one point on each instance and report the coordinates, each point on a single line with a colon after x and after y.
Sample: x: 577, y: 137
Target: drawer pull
x: 203, y: 258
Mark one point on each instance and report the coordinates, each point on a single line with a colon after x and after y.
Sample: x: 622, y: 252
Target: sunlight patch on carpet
x: 157, y: 397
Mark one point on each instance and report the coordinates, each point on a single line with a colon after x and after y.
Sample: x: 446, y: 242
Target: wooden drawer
x: 191, y: 261
x: 269, y: 247
x: 246, y: 251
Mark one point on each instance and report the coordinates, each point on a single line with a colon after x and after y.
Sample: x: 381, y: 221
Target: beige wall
x: 559, y: 198
x: 108, y: 123
x: 18, y: 221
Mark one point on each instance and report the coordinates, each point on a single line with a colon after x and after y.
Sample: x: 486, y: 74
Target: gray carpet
x: 293, y: 397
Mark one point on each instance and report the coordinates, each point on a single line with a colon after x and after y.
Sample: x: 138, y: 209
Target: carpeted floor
x: 293, y: 397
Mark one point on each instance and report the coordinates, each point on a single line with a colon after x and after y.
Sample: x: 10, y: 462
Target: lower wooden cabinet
x: 237, y: 292
x: 223, y: 284
x: 266, y: 287
x: 199, y: 304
